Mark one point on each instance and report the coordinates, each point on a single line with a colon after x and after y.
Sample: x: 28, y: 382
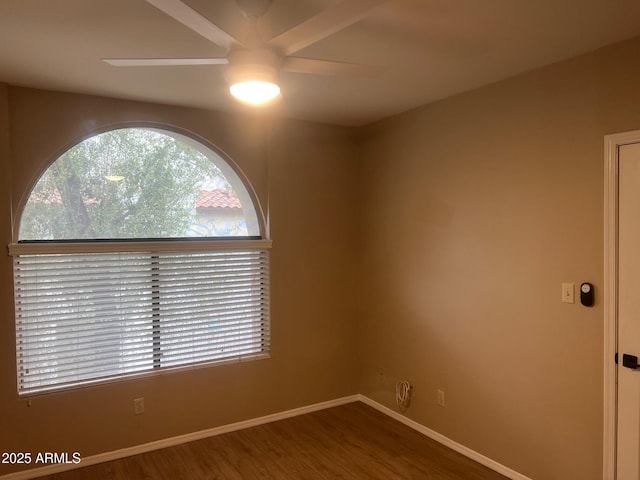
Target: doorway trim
x: 612, y: 144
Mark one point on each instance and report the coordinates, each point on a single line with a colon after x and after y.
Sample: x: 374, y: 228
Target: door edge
x: 612, y: 144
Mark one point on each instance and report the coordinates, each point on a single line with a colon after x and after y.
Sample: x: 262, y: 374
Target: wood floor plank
x: 350, y: 442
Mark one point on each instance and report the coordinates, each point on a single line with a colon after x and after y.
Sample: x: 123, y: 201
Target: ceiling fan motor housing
x: 260, y: 64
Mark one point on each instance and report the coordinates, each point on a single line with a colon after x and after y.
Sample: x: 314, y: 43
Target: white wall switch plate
x: 568, y: 293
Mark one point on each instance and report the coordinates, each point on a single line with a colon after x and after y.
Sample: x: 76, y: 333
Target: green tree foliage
x: 126, y: 183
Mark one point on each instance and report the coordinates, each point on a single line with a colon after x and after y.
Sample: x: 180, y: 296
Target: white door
x: 628, y: 394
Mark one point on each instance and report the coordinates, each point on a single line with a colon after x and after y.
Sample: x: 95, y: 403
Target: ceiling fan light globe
x: 255, y: 92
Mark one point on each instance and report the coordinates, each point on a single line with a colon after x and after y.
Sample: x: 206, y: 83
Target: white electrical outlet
x: 138, y: 406
x: 441, y: 398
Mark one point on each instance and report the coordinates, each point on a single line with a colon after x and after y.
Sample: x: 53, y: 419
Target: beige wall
x: 456, y: 222
x: 301, y: 173
x: 478, y: 207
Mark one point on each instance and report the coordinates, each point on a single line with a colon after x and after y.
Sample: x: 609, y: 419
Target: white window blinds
x: 102, y: 315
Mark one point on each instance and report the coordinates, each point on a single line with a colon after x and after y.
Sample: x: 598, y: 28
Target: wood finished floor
x: 352, y: 441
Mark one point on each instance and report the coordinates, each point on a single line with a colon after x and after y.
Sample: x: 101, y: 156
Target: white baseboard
x: 447, y: 442
x: 180, y: 439
x: 190, y: 437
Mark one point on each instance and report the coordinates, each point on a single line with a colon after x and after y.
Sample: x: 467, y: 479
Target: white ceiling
x: 430, y: 49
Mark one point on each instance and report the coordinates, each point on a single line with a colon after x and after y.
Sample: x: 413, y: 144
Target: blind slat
x: 88, y: 317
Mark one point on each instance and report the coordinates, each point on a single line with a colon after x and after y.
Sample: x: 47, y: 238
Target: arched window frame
x: 228, y: 261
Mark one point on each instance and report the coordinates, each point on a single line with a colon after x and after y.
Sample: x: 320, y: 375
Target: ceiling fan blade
x: 186, y: 15
x: 322, y: 25
x: 163, y: 62
x: 325, y: 67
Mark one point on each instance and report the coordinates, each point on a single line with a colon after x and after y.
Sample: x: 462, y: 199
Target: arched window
x: 138, y: 250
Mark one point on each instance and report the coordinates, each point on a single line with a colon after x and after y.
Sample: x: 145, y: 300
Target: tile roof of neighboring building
x: 217, y: 198
x: 55, y: 197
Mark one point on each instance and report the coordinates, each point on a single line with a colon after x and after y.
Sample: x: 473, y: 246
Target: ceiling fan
x: 253, y: 65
